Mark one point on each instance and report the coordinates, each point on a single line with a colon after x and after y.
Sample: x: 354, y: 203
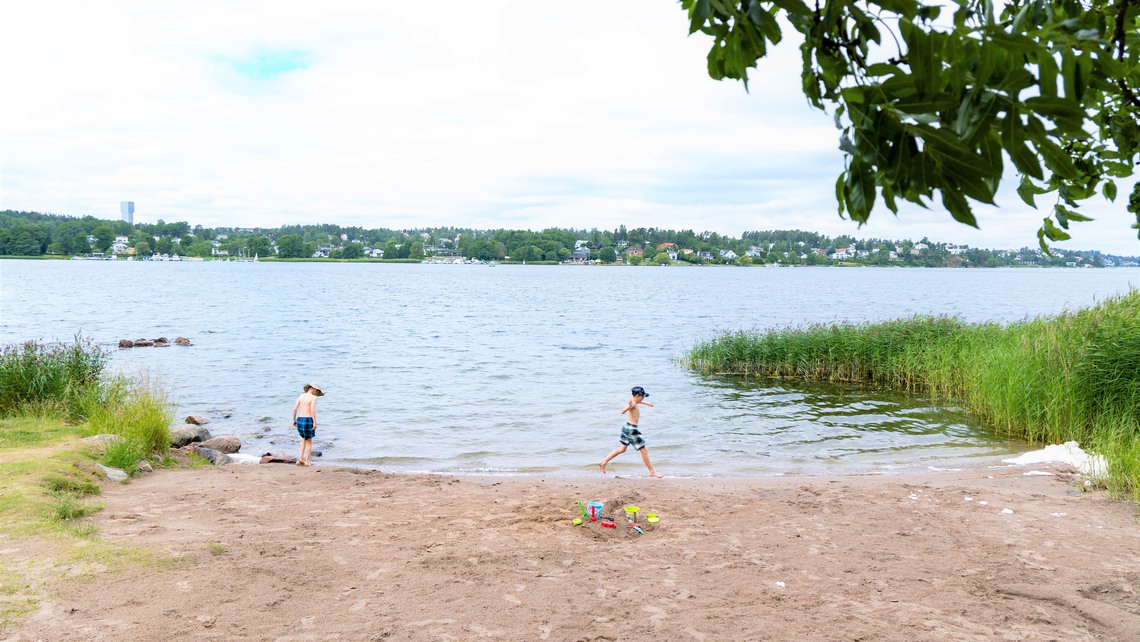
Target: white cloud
x: 493, y: 114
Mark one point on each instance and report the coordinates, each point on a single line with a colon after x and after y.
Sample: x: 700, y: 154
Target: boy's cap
x: 316, y: 387
x: 638, y: 391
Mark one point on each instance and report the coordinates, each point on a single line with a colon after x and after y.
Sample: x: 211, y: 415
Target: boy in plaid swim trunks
x: 305, y: 419
x: 630, y: 435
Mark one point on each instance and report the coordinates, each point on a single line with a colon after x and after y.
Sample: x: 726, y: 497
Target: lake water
x: 523, y: 369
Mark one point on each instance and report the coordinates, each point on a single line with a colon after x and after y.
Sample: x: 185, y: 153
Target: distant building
x: 127, y: 209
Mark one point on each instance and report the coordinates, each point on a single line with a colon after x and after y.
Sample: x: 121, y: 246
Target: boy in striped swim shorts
x: 630, y: 435
x: 305, y: 419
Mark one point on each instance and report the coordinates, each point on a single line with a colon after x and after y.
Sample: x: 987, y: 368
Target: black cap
x: 638, y: 391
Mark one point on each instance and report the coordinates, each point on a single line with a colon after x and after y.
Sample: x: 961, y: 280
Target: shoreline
x: 284, y: 553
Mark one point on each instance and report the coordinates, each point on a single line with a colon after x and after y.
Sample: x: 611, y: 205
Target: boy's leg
x: 301, y: 455
x: 306, y: 451
x: 617, y: 451
x: 645, y: 458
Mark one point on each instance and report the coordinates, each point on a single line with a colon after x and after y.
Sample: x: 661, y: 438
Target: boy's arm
x: 628, y: 406
x: 647, y: 404
x: 295, y: 410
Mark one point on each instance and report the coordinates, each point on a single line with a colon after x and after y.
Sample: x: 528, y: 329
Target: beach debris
x: 983, y: 503
x: 197, y: 420
x: 1058, y: 514
x: 188, y: 434
x: 1006, y: 511
x: 1070, y: 453
x: 227, y: 444
x: 243, y: 458
x: 781, y: 585
x: 114, y: 474
x: 969, y: 499
x: 1038, y: 472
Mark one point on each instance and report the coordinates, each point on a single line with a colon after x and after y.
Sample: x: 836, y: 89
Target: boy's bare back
x: 306, y: 406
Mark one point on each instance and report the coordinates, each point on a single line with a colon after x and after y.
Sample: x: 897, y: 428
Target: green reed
x: 37, y: 379
x: 1073, y: 376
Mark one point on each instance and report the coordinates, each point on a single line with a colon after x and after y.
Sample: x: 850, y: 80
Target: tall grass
x: 36, y: 378
x: 136, y: 410
x: 1074, y: 376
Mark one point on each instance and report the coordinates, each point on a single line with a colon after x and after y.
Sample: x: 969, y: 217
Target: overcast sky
x: 491, y: 114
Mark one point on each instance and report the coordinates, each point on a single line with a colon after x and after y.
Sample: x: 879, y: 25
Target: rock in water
x: 188, y: 434
x: 223, y: 443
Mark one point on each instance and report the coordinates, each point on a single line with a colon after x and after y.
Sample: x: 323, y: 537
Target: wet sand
x: 277, y: 552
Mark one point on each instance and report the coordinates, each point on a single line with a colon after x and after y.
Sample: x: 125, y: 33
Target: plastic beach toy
x: 652, y: 518
x: 583, y: 509
x: 631, y: 514
x: 595, y: 510
x: 577, y: 521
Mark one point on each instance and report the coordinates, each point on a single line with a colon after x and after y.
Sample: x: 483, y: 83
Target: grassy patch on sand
x: 50, y: 397
x: 1069, y: 377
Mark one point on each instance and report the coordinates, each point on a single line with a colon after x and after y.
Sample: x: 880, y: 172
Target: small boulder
x: 143, y: 343
x: 144, y: 466
x: 269, y: 458
x: 223, y: 443
x: 188, y: 434
x: 126, y: 343
x: 114, y: 474
x: 182, y: 341
x: 162, y: 340
x: 197, y: 420
x: 212, y: 456
x: 103, y: 437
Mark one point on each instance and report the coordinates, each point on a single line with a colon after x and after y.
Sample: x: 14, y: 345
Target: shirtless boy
x: 629, y: 432
x: 305, y: 419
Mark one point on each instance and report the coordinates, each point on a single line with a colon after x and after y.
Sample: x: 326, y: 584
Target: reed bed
x: 39, y: 379
x: 1073, y: 376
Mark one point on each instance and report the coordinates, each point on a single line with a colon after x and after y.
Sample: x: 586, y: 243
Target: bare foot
x: 656, y: 474
x: 602, y: 466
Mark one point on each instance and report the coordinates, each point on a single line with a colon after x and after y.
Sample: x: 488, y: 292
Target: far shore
x: 277, y: 552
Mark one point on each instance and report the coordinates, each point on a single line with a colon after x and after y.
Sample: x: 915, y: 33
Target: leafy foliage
x: 935, y: 104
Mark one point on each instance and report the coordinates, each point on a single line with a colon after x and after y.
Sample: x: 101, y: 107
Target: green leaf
x: 1027, y: 190
x: 958, y: 207
x: 794, y: 7
x: 1053, y: 233
x: 698, y: 15
x: 1109, y: 190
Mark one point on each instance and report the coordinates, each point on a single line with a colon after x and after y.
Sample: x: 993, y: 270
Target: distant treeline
x: 38, y: 234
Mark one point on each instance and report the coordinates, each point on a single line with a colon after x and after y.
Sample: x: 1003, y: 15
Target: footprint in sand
x: 359, y: 605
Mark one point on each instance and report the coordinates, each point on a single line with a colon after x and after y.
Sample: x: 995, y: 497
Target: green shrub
x: 134, y: 409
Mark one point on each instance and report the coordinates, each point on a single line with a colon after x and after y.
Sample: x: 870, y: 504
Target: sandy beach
x: 277, y: 552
